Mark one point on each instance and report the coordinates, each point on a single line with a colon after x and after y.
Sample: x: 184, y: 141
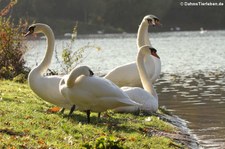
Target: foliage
x: 12, y: 48
x: 72, y: 59
x: 6, y: 10
x: 27, y: 122
x: 21, y: 78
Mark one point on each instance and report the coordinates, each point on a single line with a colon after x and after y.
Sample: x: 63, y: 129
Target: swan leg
x: 72, y: 109
x: 99, y: 116
x: 88, y: 116
x: 62, y: 110
x: 137, y: 112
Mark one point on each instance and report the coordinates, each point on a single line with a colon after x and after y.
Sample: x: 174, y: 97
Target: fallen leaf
x: 40, y: 141
x: 54, y: 109
x: 13, y: 147
x: 26, y: 139
x: 132, y: 139
x: 122, y: 139
x: 102, y: 134
x: 24, y: 146
x: 28, y: 117
x: 26, y: 130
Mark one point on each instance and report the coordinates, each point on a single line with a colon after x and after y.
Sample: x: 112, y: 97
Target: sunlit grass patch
x: 25, y: 122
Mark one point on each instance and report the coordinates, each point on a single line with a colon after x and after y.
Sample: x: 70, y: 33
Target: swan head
x: 154, y: 52
x: 151, y: 20
x: 85, y: 70
x: 68, y: 80
x: 91, y: 72
x: 36, y: 28
x: 149, y: 50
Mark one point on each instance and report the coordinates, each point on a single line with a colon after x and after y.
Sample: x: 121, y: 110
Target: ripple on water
x: 190, y: 96
x: 199, y: 103
x: 216, y: 100
x: 191, y: 101
x: 199, y: 99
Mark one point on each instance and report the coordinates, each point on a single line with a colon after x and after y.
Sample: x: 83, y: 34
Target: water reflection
x: 200, y: 99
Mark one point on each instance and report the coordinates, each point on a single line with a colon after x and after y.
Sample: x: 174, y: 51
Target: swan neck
x: 147, y: 85
x: 50, y: 40
x: 142, y: 35
x: 74, y: 74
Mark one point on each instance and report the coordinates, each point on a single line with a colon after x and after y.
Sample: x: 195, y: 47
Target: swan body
x: 92, y: 93
x: 120, y: 75
x: 147, y: 97
x: 46, y: 87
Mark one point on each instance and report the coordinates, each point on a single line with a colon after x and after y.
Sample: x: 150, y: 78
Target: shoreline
x: 182, y: 135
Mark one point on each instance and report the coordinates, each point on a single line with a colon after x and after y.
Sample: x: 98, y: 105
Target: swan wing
x: 139, y: 95
x: 47, y: 88
x: 148, y: 102
x: 96, y: 94
x: 125, y: 75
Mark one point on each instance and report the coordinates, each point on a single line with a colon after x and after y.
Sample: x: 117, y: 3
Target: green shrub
x: 70, y: 57
x: 12, y: 48
x: 21, y: 78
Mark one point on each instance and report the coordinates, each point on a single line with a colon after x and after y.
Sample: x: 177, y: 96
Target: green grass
x: 26, y: 123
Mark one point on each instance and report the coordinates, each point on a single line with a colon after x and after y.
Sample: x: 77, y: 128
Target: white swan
x: 147, y: 96
x: 92, y: 93
x: 46, y: 87
x: 127, y: 75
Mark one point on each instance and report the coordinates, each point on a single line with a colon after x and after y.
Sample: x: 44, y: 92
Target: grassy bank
x: 26, y: 121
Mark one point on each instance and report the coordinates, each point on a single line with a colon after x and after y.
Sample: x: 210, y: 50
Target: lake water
x: 192, y: 84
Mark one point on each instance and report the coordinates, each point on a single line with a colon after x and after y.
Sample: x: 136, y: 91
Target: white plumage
x: 46, y: 87
x: 147, y: 97
x: 127, y: 75
x: 92, y: 93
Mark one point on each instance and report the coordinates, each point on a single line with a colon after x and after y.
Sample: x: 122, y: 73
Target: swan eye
x: 91, y: 73
x: 153, y: 50
x: 149, y: 20
x: 156, y: 20
x: 31, y: 29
